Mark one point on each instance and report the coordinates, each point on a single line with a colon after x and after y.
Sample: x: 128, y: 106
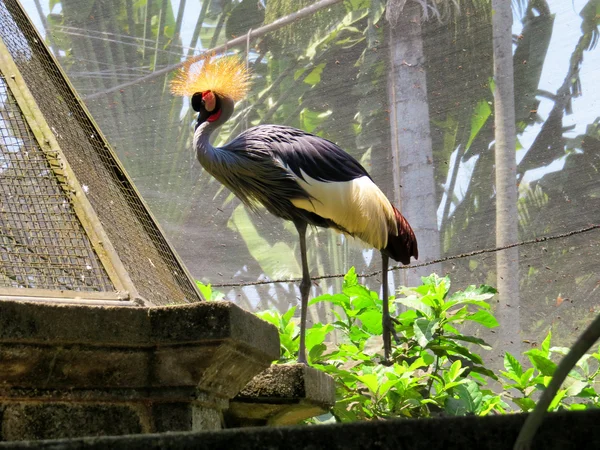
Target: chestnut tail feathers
x: 404, y: 245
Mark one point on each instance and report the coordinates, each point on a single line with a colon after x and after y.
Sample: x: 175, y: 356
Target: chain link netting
x: 150, y: 262
x: 42, y: 242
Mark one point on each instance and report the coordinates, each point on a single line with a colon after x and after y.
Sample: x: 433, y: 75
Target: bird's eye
x: 197, y: 102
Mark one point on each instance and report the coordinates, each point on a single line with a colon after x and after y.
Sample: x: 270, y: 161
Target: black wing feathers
x: 269, y: 157
x: 302, y: 152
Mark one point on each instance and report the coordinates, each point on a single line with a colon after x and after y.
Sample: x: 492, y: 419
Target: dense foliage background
x: 409, y: 93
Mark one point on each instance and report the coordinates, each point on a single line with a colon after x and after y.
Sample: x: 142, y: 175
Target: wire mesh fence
x: 150, y: 262
x: 42, y: 242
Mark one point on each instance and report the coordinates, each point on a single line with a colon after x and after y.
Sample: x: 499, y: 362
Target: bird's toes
x: 302, y: 360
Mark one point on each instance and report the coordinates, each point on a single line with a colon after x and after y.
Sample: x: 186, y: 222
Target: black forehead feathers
x: 197, y: 101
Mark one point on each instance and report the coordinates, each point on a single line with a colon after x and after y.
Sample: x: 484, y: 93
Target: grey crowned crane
x: 295, y: 175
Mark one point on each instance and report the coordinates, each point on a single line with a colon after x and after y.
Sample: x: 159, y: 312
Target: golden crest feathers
x: 227, y: 76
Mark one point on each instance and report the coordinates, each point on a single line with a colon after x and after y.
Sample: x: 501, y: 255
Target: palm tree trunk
x: 507, y: 261
x: 413, y: 174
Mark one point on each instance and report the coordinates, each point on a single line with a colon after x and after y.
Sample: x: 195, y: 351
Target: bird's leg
x: 387, y: 323
x: 304, y: 291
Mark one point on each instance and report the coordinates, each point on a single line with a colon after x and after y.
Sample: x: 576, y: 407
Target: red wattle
x: 214, y: 116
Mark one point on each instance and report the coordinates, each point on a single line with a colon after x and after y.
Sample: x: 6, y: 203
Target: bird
x: 293, y: 174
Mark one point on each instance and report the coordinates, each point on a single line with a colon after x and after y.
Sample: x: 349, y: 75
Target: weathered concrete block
x: 282, y: 395
x: 28, y: 421
x: 73, y: 370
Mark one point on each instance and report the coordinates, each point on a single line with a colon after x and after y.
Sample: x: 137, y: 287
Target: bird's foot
x: 387, y: 362
x: 302, y: 359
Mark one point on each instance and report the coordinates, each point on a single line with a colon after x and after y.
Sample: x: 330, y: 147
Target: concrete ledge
x: 114, y: 325
x: 561, y: 431
x: 282, y: 395
x: 76, y: 370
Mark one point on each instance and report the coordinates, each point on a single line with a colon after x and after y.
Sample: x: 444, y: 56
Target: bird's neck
x: 208, y: 155
x: 204, y: 149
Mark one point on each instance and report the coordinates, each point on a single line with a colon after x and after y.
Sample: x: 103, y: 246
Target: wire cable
x: 424, y: 264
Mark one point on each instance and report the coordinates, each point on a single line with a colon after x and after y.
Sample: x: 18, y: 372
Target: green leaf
x: 578, y: 407
x: 483, y: 371
x: 287, y: 316
x: 588, y: 392
x: 350, y: 278
x: 205, y: 290
x: 480, y: 116
x: 424, y: 330
x: 557, y: 399
x: 471, y: 339
x: 511, y: 376
x: 455, y: 370
x: 483, y: 317
x: 270, y: 316
x: 453, y: 384
x: 370, y: 381
x: 481, y: 303
x: 450, y: 329
x: 455, y: 407
x: 357, y: 290
x: 472, y: 295
x: 372, y: 321
x: 541, y: 363
x: 432, y: 300
x: 357, y: 334
x: 477, y: 377
x: 274, y: 259
x: 316, y: 334
x: 313, y: 119
x: 573, y: 387
x: 470, y: 394
x: 415, y: 303
x: 354, y: 5
x: 428, y: 359
x: 420, y: 362
x: 512, y: 365
x: 435, y: 280
x: 314, y: 77
x: 387, y: 385
x: 458, y: 315
x: 526, y: 404
x: 447, y: 347
x: 469, y: 399
x: 337, y: 299
x: 563, y: 351
x: 365, y: 300
x: 526, y: 377
x: 208, y: 293
x: 545, y: 347
x: 298, y: 73
x: 315, y: 353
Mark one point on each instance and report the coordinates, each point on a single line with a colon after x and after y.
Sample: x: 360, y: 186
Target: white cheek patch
x: 358, y: 206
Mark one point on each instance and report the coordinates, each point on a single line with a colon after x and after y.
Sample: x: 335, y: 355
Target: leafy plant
x: 208, y: 293
x: 578, y: 391
x: 434, y: 368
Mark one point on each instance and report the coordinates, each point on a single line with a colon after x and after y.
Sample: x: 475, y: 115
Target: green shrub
x: 435, y: 368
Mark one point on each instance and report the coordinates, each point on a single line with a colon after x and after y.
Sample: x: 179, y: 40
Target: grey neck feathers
x: 205, y: 152
x: 202, y: 140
